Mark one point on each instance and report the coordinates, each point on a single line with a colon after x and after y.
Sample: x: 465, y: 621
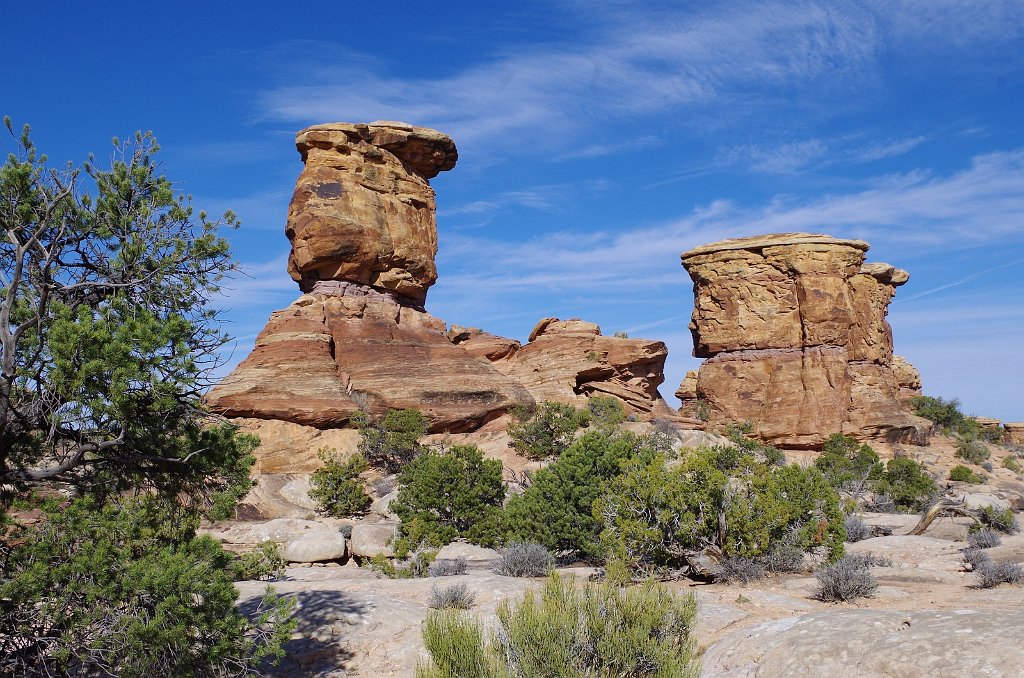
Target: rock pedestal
x: 793, y: 328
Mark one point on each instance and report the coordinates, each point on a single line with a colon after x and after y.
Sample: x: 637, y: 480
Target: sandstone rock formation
x: 363, y: 210
x: 347, y: 346
x: 793, y: 328
x: 569, y: 361
x: 1014, y: 434
x: 907, y: 377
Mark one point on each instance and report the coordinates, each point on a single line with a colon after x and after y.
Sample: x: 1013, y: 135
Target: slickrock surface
x: 346, y: 346
x: 363, y: 210
x: 569, y: 361
x: 793, y: 328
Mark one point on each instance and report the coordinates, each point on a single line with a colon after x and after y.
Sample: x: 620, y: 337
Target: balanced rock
x: 363, y: 210
x: 793, y: 328
x: 569, y: 361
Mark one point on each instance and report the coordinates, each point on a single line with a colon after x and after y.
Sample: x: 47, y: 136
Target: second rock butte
x: 793, y: 328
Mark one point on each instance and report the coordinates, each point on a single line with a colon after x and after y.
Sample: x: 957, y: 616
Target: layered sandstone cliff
x: 793, y: 329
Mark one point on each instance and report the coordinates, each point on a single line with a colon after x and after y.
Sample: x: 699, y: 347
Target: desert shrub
x: 524, y: 559
x: 336, y: 486
x: 784, y: 558
x: 847, y: 579
x: 557, y: 509
x: 128, y: 589
x: 846, y: 464
x: 457, y: 649
x: 984, y: 539
x: 415, y: 566
x: 963, y: 474
x: 737, y: 433
x: 741, y: 569
x: 993, y: 434
x: 1011, y: 463
x: 392, y: 442
x: 987, y: 466
x: 385, y: 486
x: 569, y: 631
x: 943, y: 413
x: 971, y: 449
x: 906, y: 483
x: 856, y: 529
x: 598, y: 630
x: 606, y: 412
x: 263, y: 562
x: 449, y: 567
x: 1002, y: 520
x: 654, y: 515
x: 973, y: 557
x: 454, y: 597
x: 992, y: 574
x: 446, y: 495
x: 545, y: 430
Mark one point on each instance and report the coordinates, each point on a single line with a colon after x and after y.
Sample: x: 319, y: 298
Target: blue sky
x: 597, y: 141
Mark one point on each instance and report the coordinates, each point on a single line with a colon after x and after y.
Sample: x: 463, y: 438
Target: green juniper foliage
x: 337, y: 487
x: 108, y: 335
x: 448, y: 494
x: 545, y: 430
x: 556, y: 511
x: 392, y: 442
x: 847, y: 464
x: 906, y: 482
x: 717, y: 497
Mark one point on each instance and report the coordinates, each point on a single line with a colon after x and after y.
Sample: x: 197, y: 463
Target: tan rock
x: 986, y: 422
x: 347, y: 347
x: 373, y: 539
x: 489, y: 347
x: 1014, y: 432
x: 362, y: 210
x: 907, y: 376
x: 569, y: 361
x: 794, y: 328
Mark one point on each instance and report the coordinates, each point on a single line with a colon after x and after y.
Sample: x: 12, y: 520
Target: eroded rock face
x: 363, y: 210
x: 793, y: 327
x: 346, y: 346
x: 1014, y: 432
x: 569, y: 361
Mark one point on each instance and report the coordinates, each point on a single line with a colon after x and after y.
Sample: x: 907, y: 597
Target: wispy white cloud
x: 551, y: 198
x: 710, y: 68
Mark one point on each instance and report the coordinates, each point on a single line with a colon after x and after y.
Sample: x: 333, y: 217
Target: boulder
x: 382, y: 505
x: 475, y: 556
x: 372, y: 539
x: 363, y: 210
x: 793, y: 328
x: 315, y: 548
x: 874, y: 643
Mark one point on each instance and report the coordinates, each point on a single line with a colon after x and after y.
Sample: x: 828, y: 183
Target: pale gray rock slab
x: 315, y: 548
x: 875, y: 643
x: 372, y: 539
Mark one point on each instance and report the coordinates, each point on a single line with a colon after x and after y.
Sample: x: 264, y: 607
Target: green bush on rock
x: 337, y: 487
x: 545, y: 430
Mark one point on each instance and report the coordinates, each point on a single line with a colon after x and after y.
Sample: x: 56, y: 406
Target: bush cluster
x: 971, y: 449
x: 392, y: 442
x: 449, y: 567
x: 454, y: 597
x: 848, y: 465
x: 545, y: 430
x: 1002, y: 520
x: 963, y: 474
x: 856, y: 529
x: 448, y: 494
x: 984, y: 539
x: 847, y: 579
x: 907, y: 484
x: 524, y: 559
x: 566, y: 630
x: 336, y: 486
x: 654, y: 514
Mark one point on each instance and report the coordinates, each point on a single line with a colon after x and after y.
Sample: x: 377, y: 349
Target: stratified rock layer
x: 363, y: 210
x: 344, y: 347
x: 569, y: 361
x: 793, y: 327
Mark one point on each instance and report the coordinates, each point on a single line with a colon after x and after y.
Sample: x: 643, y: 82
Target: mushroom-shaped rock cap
x: 426, y: 151
x: 885, y: 273
x: 760, y: 242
